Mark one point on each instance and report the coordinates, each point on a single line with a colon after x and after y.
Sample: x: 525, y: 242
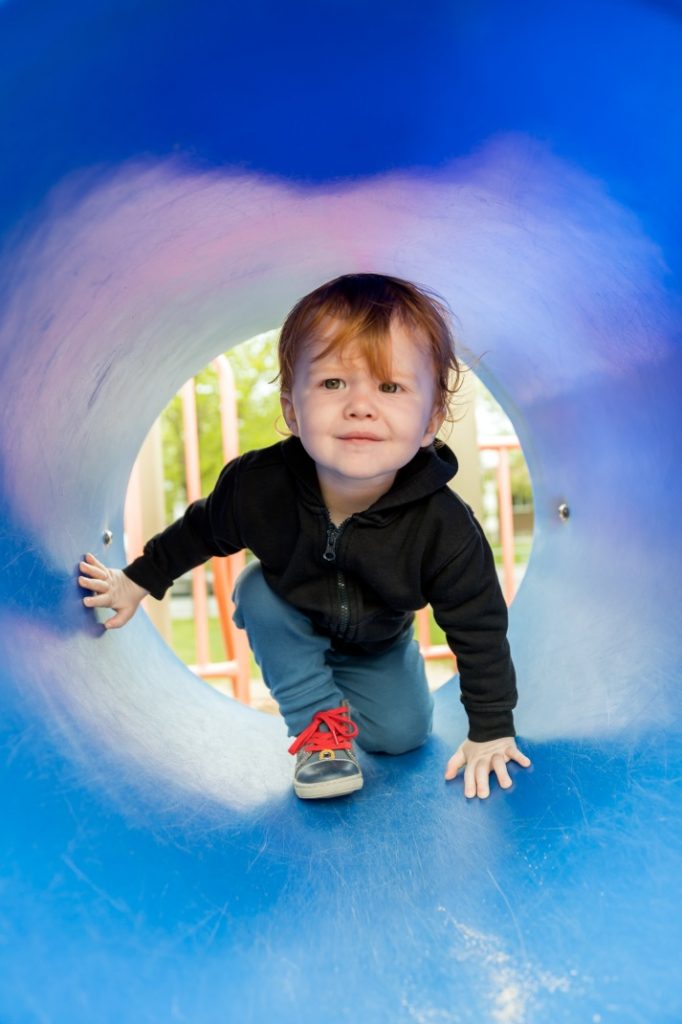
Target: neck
x: 344, y: 499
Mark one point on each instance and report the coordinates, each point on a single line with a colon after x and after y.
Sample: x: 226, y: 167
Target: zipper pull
x: 330, y: 551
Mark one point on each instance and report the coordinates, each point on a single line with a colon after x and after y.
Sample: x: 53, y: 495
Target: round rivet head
x: 564, y: 511
x: 107, y: 537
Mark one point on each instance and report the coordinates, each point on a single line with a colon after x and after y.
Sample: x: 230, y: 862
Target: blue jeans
x: 388, y: 693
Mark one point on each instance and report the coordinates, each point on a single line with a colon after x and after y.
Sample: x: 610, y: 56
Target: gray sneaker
x: 326, y: 763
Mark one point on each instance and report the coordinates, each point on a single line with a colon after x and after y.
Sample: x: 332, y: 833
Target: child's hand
x: 113, y: 589
x: 480, y: 760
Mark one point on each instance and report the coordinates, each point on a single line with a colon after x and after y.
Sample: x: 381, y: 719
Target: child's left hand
x: 480, y: 760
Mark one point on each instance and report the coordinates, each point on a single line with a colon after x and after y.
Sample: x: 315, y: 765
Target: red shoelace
x: 341, y: 732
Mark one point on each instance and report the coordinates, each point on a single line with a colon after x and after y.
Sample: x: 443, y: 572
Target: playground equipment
x: 175, y: 177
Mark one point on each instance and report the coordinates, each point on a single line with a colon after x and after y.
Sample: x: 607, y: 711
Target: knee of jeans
x: 396, y: 737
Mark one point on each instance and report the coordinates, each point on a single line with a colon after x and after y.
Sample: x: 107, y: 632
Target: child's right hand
x: 112, y: 589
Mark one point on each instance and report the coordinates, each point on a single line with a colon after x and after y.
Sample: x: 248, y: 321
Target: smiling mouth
x: 359, y: 437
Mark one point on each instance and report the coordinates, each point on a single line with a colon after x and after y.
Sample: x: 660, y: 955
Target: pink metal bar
x: 229, y: 421
x: 193, y: 484
x: 495, y: 443
x: 505, y: 512
x: 503, y: 445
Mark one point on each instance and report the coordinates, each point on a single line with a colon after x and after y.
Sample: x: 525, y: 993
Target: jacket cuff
x: 142, y: 573
x: 490, y: 725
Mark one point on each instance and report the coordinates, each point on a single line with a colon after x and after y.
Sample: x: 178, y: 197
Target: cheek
x: 312, y: 414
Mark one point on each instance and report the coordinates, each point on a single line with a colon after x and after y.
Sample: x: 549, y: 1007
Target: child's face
x: 360, y: 431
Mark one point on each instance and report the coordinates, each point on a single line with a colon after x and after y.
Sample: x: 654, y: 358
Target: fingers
x: 480, y: 762
x: 98, y: 571
x: 499, y: 764
x: 118, y: 620
x: 93, y: 584
x: 93, y: 566
x: 516, y: 755
x: 482, y: 774
x: 110, y: 588
x: 103, y: 594
x: 456, y: 762
x: 91, y: 570
x: 100, y: 601
x: 99, y: 580
x: 476, y: 780
x: 470, y: 781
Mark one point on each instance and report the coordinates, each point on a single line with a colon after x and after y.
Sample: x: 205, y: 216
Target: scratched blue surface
x: 173, y: 178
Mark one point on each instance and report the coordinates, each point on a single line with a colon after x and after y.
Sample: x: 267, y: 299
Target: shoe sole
x: 323, y: 790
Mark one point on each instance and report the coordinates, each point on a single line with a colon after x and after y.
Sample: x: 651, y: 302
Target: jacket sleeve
x: 469, y: 606
x: 208, y: 527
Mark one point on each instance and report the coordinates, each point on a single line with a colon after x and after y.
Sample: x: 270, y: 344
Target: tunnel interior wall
x: 176, y: 178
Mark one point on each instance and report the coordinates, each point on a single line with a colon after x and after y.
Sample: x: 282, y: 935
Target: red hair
x: 362, y: 308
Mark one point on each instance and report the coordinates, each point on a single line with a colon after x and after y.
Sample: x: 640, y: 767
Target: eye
x: 389, y: 387
x: 332, y: 384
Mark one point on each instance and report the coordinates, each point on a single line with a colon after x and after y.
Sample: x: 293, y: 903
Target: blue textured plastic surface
x: 174, y: 177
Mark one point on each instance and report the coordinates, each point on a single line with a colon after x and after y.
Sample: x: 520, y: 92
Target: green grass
x: 184, y: 643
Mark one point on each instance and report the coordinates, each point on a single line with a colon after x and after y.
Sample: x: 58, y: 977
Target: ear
x: 288, y: 412
x: 432, y: 427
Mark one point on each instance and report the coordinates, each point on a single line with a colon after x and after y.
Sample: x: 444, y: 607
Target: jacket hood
x: 429, y: 470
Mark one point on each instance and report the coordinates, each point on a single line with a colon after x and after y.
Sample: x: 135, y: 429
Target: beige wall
x: 152, y: 511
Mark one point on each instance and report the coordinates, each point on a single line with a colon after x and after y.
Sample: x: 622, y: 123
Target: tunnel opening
x: 231, y: 406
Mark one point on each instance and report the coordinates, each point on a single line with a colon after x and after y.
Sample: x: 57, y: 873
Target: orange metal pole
x: 226, y: 570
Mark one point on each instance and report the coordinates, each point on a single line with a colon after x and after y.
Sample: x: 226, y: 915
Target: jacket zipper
x: 333, y: 534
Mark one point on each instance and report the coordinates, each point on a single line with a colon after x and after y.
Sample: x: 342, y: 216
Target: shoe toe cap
x: 321, y: 770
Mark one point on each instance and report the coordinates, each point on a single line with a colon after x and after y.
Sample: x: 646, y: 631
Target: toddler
x: 354, y: 528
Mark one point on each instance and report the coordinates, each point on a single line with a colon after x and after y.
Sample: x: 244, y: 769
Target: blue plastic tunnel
x: 174, y: 177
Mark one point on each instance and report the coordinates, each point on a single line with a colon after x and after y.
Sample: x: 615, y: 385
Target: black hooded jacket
x: 360, y: 583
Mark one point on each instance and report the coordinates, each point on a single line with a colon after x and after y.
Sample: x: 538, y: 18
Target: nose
x: 360, y: 403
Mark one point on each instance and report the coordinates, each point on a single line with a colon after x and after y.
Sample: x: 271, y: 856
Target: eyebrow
x: 335, y: 369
